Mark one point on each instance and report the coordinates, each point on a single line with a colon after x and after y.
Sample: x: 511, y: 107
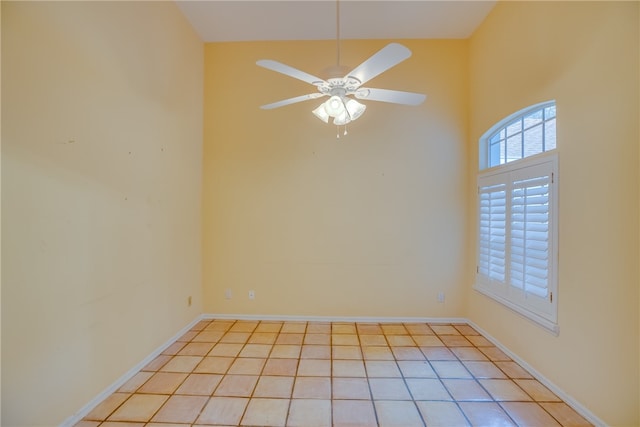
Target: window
x: 517, y: 215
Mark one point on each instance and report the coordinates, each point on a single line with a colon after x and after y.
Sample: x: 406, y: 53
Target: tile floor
x: 266, y: 373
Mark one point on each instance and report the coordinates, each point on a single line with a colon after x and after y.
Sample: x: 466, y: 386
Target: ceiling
x: 247, y: 20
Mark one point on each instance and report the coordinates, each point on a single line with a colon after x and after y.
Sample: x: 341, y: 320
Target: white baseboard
x: 579, y: 408
x: 588, y: 415
x: 75, y: 418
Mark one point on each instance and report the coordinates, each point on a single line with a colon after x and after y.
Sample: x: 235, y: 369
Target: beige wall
x: 371, y: 224
x: 101, y: 184
x: 585, y: 56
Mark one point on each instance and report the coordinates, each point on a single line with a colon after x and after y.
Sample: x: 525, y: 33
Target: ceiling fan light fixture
x: 342, y: 119
x: 354, y: 108
x: 321, y: 113
x: 334, y: 106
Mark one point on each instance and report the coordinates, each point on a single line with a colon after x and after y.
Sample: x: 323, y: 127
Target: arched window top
x: 527, y: 132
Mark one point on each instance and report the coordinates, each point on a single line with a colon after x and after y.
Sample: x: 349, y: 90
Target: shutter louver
x: 529, y: 263
x: 492, y: 258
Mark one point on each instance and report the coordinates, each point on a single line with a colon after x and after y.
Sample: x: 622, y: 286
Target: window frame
x: 543, y: 313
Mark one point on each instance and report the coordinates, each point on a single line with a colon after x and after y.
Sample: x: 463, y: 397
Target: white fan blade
x: 279, y: 67
x: 393, y: 96
x: 291, y: 101
x: 387, y: 57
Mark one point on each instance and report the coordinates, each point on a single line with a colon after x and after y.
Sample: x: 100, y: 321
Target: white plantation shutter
x: 493, y: 205
x: 516, y: 236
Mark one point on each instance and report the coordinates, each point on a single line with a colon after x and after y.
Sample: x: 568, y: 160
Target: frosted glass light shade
x: 334, y: 106
x: 355, y: 108
x: 321, y: 113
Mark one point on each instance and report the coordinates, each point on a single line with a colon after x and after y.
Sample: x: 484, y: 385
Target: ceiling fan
x: 343, y: 91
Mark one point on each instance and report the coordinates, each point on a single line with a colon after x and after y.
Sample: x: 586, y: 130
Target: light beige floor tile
x: 200, y: 325
x: 220, y: 325
x: 479, y: 341
x: 294, y: 327
x: 465, y: 390
x: 427, y: 389
x: 256, y: 350
x: 566, y: 415
x: 319, y: 328
x: 181, y: 409
x: 199, y: 384
x: 244, y: 326
x: 344, y: 339
x: 123, y: 424
x: 450, y: 369
x: 286, y: 367
x: 351, y: 352
x: 312, y: 388
x: 235, y: 337
x: 416, y: 369
x: 351, y: 388
x: 188, y: 336
x: 438, y: 353
x: 139, y: 407
x: 428, y: 341
x: 504, y: 390
x: 377, y: 353
x: 163, y: 383
x: 317, y: 339
x: 467, y: 330
x: 107, y: 406
x: 389, y: 389
x: 269, y: 327
x: 263, y: 338
x: 214, y: 365
x: 469, y: 353
x: 529, y: 414
x: 373, y: 340
x: 442, y: 414
x: 309, y: 413
x: 316, y: 352
x: 87, y: 423
x: 266, y: 412
x: 369, y: 329
x: 135, y: 382
x: 398, y: 414
x: 314, y: 368
x: 226, y: 350
x: 394, y: 329
x: 407, y: 353
x: 247, y: 366
x: 348, y: 368
x: 223, y: 410
x: 196, y: 349
x: 484, y: 370
x: 343, y: 328
x: 162, y: 425
x: 418, y: 329
x: 286, y: 351
x: 495, y: 354
x: 513, y: 370
x: 455, y: 341
x: 236, y: 385
x: 444, y: 329
x: 486, y: 414
x: 274, y: 387
x: 353, y: 413
x: 382, y: 369
x: 182, y: 364
x: 400, y: 340
x: 537, y: 391
x: 290, y: 338
x: 174, y: 348
x: 157, y: 363
x: 208, y: 336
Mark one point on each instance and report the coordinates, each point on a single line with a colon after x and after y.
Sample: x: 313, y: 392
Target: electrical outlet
x: 227, y: 294
x: 440, y: 297
x: 252, y: 294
